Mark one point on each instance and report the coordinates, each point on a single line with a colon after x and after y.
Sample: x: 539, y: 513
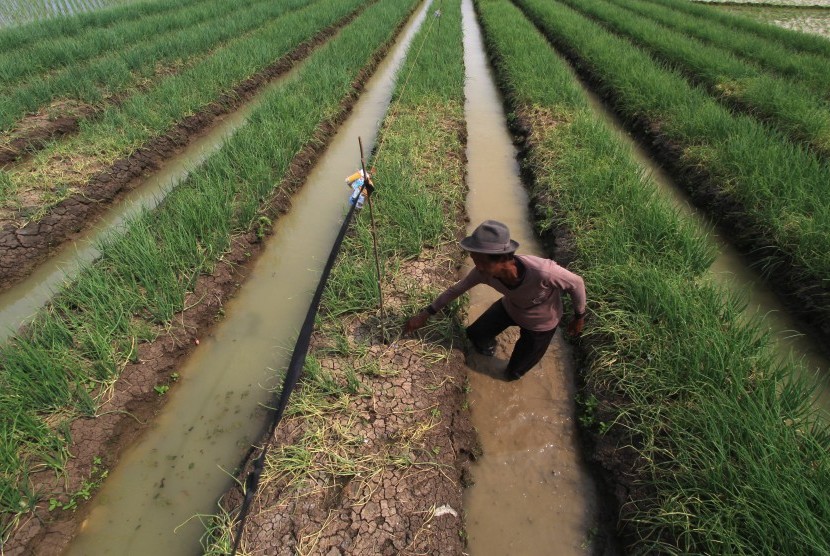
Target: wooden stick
x: 374, y: 229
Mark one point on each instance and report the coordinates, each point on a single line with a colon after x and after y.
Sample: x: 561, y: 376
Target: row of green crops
x: 772, y: 193
x: 726, y: 458
x: 116, y: 72
x: 811, y: 69
x: 120, y: 130
x: 421, y: 199
x: 791, y: 106
x: 418, y: 206
x: 56, y: 369
x: 17, y: 12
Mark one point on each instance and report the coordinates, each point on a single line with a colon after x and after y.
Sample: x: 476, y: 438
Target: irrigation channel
x: 19, y: 303
x: 532, y: 491
x: 178, y: 470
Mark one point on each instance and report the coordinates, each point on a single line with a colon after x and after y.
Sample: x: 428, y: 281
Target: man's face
x: 487, y: 266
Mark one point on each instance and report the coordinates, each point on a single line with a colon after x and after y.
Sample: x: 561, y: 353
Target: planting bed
x: 769, y: 53
x: 797, y: 108
x: 767, y: 193
x: 796, y: 41
x: 107, y: 66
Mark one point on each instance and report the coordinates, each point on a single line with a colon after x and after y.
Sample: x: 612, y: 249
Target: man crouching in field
x: 532, y: 288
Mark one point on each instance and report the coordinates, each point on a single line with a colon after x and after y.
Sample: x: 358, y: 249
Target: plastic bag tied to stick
x: 355, y: 181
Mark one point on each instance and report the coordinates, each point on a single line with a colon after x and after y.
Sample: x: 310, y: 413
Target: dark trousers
x: 528, y: 351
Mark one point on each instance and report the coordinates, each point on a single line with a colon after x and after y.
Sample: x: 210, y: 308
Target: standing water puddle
x: 733, y: 272
x: 19, y: 304
x: 182, y: 465
x: 532, y: 494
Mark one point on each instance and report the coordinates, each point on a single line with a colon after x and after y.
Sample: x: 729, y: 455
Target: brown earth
x: 134, y: 402
x: 411, y: 435
x: 33, y: 132
x: 24, y: 245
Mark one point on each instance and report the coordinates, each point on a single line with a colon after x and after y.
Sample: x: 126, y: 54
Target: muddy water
x: 531, y: 494
x: 19, y: 304
x: 790, y: 336
x: 180, y: 467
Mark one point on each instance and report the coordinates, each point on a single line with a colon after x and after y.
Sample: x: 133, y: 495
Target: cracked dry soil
x: 406, y: 434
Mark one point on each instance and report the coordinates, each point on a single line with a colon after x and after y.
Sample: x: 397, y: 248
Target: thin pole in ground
x: 369, y: 190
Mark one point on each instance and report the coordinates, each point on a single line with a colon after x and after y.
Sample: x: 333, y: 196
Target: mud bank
x: 98, y: 442
x: 23, y: 247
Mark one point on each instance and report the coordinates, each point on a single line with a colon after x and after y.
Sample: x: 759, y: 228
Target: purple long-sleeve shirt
x: 536, y: 303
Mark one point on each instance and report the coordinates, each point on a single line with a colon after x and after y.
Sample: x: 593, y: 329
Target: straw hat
x: 491, y: 237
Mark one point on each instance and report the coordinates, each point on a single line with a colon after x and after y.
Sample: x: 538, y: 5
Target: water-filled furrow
x: 531, y: 492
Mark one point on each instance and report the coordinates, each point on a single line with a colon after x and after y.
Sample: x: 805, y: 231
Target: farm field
x: 693, y: 419
x: 333, y: 440
x: 213, y: 209
x: 805, y: 20
x: 768, y: 191
x: 17, y: 12
x: 742, y: 70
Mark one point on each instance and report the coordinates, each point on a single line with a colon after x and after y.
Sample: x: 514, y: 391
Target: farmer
x: 532, y: 288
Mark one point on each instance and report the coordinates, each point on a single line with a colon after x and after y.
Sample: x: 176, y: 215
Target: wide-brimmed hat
x: 491, y: 237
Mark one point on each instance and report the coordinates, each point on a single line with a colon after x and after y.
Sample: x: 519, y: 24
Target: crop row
x: 418, y: 208
x: 115, y: 72
x: 768, y: 192
x: 793, y: 107
x: 124, y: 136
x: 59, y: 368
x: 695, y: 421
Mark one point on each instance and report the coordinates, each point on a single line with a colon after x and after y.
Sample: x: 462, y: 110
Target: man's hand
x: 416, y: 322
x: 576, y: 325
